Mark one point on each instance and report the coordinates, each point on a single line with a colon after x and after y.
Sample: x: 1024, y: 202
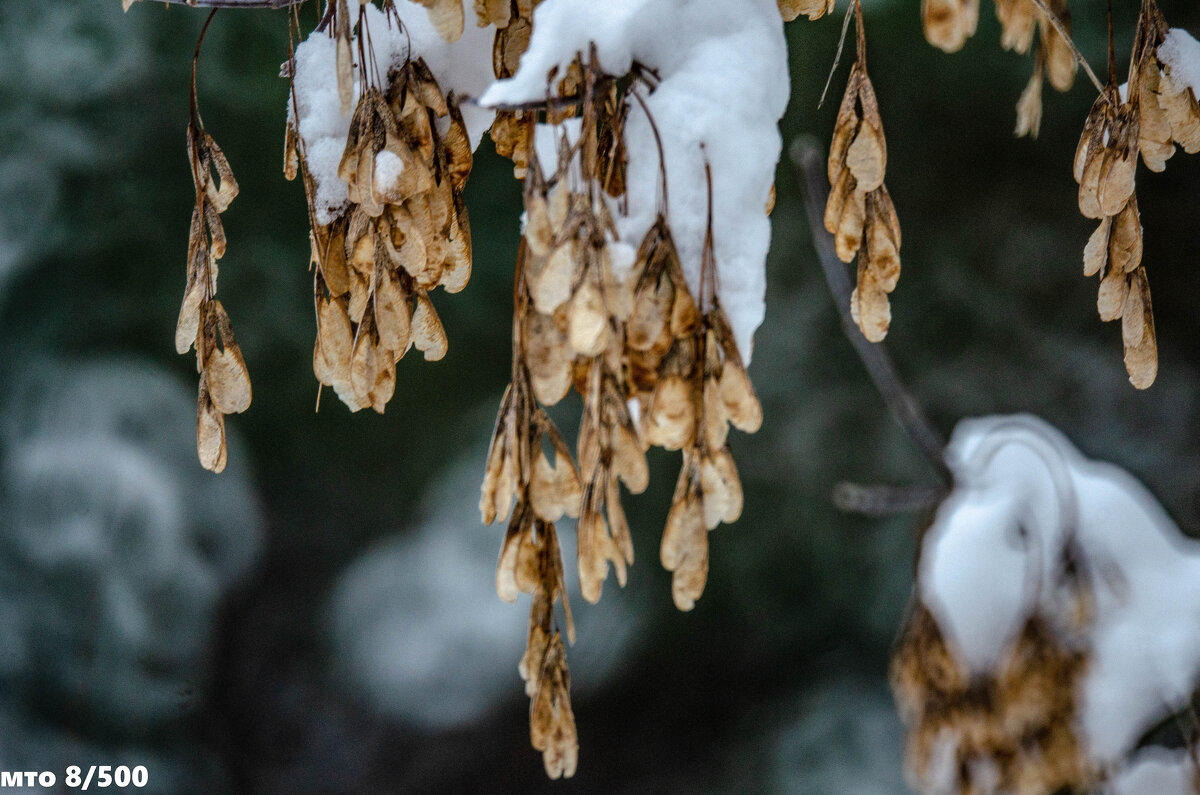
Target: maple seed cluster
x: 859, y: 212
x: 949, y: 23
x: 813, y: 9
x: 203, y: 322
x: 1010, y: 729
x: 530, y: 560
x: 1157, y: 115
x: 403, y: 233
x: 513, y: 19
x: 651, y: 367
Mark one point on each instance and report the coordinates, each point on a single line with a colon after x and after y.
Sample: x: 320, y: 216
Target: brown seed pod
x: 1018, y: 18
x: 813, y: 9
x: 949, y: 23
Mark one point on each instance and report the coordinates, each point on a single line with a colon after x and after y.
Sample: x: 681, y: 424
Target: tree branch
x: 1062, y: 31
x: 810, y: 172
x: 272, y: 4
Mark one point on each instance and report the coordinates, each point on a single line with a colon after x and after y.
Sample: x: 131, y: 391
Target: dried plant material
x: 549, y: 358
x: 1106, y: 158
x: 1183, y: 113
x: 1125, y: 241
x: 345, y: 60
x: 949, y: 23
x: 203, y: 322
x: 228, y: 379
x: 813, y: 9
x: 1137, y: 332
x: 1095, y: 254
x: 556, y: 282
x: 721, y: 487
x: 1018, y: 19
x: 404, y: 232
x: 210, y: 431
x: 427, y: 333
x: 684, y: 549
x: 671, y: 420
x: 551, y: 722
x: 878, y: 267
x: 493, y: 12
x: 1029, y: 107
x: 504, y: 469
x: 1057, y: 54
x: 1155, y: 136
x: 446, y: 16
x: 859, y: 212
x: 1010, y: 729
x: 588, y: 327
x: 1110, y: 300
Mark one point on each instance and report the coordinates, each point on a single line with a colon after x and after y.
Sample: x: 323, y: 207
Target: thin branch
x: 272, y: 4
x: 810, y: 172
x: 1057, y: 24
x: 881, y: 500
x: 837, y: 58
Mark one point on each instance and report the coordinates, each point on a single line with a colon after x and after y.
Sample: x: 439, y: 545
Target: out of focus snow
x: 419, y: 631
x: 991, y: 558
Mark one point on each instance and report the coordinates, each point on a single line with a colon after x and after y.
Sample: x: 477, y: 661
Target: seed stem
x: 1057, y: 24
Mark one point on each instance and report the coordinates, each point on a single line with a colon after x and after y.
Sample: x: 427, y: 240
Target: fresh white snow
x: 722, y: 87
x: 464, y: 67
x: 1181, y: 54
x: 991, y: 558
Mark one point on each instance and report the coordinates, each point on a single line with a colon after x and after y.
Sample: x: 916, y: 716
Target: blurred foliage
x: 992, y: 315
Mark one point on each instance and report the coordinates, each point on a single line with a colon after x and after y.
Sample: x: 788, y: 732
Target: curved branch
x: 810, y: 171
x: 272, y: 4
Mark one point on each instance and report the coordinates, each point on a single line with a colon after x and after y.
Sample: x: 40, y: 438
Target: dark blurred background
x: 321, y: 617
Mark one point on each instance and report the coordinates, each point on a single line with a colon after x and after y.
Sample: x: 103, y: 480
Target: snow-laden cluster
x: 1029, y: 512
x: 463, y: 66
x: 639, y: 283
x: 720, y: 87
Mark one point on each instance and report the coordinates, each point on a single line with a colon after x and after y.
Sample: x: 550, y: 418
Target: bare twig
x: 810, y: 172
x: 837, y: 57
x: 273, y: 4
x: 882, y: 500
x: 1062, y: 31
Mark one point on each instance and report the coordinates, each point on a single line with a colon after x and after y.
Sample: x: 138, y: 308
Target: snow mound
x: 992, y: 557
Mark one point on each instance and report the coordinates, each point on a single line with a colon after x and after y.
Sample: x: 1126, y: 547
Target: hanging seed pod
x: 1029, y: 106
x: 446, y: 16
x: 949, y: 23
x: 859, y: 211
x: 1009, y: 729
x: 1106, y: 158
x: 1018, y: 19
x: 1137, y: 332
x: 203, y: 323
x: 813, y: 9
x: 1056, y: 51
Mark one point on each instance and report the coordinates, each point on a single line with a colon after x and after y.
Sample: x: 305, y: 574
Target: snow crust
x: 1181, y: 54
x: 723, y: 87
x: 991, y: 558
x: 464, y: 67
